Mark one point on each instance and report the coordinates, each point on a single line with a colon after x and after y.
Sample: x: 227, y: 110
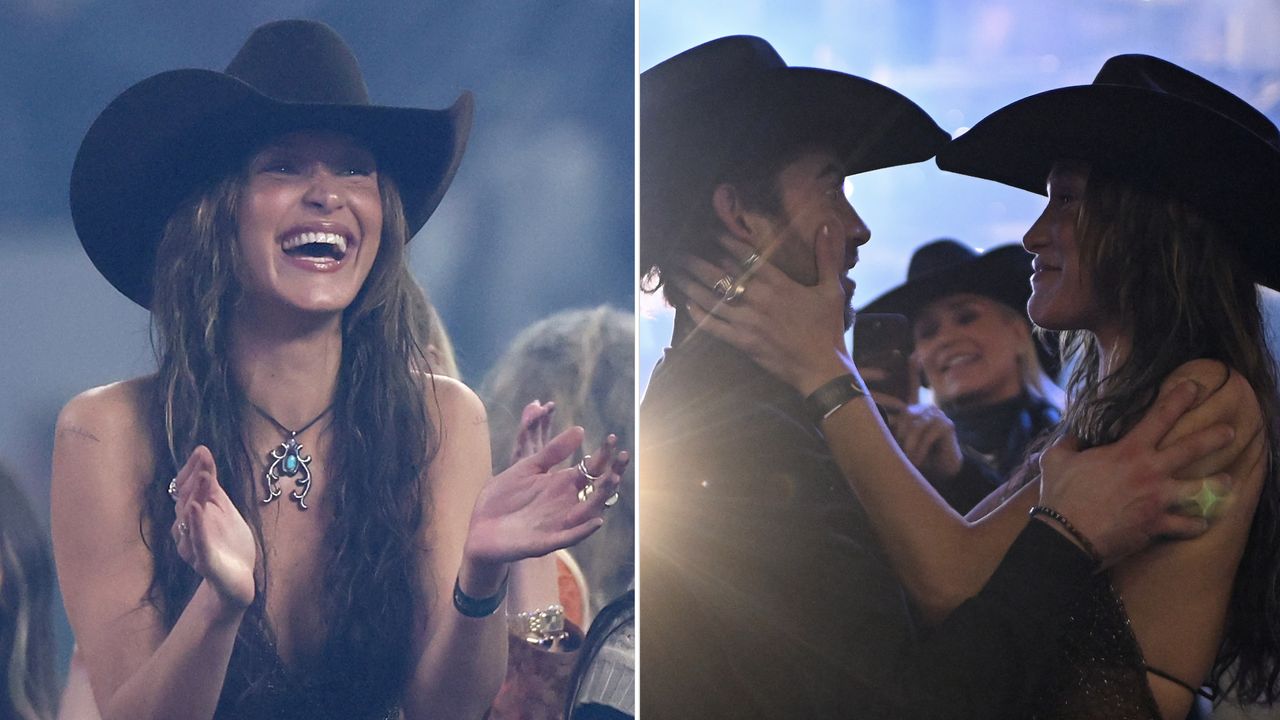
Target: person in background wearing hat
x: 293, y: 518
x: 1161, y: 219
x: 974, y: 347
x: 763, y: 590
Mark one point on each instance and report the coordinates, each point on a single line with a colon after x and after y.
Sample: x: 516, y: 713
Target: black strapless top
x: 259, y: 686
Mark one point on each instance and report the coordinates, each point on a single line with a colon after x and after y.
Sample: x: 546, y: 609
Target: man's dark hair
x: 754, y: 173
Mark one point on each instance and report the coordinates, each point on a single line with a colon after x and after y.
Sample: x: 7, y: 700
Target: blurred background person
x: 581, y: 360
x: 973, y: 345
x: 573, y: 368
x: 29, y: 691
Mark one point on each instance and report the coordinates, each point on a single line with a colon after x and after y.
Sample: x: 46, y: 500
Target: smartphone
x: 883, y: 341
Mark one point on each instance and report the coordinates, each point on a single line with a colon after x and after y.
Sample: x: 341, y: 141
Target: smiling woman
x: 261, y: 215
x: 315, y: 196
x: 972, y: 342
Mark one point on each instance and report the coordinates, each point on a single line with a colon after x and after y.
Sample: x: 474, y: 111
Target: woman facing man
x: 1160, y: 219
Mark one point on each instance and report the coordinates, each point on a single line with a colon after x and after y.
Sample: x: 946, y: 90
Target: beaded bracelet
x: 1071, y: 529
x: 478, y: 607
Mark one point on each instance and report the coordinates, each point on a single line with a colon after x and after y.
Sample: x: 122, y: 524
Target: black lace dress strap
x: 1102, y: 673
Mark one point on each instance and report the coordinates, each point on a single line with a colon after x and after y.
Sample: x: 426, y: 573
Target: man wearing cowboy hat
x: 763, y: 591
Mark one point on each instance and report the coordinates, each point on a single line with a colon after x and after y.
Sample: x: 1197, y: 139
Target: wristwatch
x: 831, y: 396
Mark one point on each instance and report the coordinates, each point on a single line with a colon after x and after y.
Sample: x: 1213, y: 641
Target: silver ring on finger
x: 723, y: 285
x: 173, y: 489
x: 612, y: 500
x: 729, y: 289
x: 751, y: 261
x: 585, y: 473
x: 586, y: 492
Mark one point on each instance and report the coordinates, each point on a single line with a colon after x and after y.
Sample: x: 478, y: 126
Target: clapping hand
x: 210, y: 533
x: 531, y: 509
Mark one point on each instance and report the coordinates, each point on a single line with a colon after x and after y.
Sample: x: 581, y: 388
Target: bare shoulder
x: 462, y: 455
x: 105, y: 423
x: 114, y: 408
x: 451, y: 401
x: 102, y: 460
x: 1225, y: 397
x: 1182, y: 638
x: 1224, y: 391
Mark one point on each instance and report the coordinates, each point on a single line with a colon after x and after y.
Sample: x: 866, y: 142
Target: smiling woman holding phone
x: 971, y: 343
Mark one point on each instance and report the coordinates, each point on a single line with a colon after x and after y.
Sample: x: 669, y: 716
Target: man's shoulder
x: 715, y: 400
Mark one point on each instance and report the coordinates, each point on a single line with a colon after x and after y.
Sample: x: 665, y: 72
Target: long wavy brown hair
x: 1177, y: 279
x: 383, y: 442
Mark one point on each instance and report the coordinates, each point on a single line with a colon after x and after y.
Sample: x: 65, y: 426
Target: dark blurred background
x: 540, y: 217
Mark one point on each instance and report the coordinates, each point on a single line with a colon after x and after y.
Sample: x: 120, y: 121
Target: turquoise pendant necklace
x: 287, y: 459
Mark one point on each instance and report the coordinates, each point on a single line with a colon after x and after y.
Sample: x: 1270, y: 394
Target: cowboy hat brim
x: 868, y: 126
x: 687, y: 144
x: 1003, y: 275
x: 167, y: 135
x: 1146, y: 136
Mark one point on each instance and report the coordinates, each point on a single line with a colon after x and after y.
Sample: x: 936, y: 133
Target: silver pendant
x: 288, y: 461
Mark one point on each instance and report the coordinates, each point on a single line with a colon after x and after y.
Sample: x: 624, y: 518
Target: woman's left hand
x: 794, y: 331
x: 530, y: 509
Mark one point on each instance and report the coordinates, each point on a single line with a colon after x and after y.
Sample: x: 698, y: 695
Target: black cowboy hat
x: 1151, y: 122
x: 165, y: 136
x: 714, y: 104
x: 947, y: 267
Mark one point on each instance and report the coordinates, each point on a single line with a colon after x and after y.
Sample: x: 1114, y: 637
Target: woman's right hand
x: 211, y: 535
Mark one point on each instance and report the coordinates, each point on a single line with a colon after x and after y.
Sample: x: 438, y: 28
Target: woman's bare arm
x: 796, y: 333
x: 101, y: 461
x: 1182, y: 638
x: 478, y: 527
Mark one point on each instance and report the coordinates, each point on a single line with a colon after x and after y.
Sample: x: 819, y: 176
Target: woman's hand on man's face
x: 794, y: 331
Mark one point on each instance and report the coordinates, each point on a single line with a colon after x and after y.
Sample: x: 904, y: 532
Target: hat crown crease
x: 1161, y: 76
x: 300, y: 62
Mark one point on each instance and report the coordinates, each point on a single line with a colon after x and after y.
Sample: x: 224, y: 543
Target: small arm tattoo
x: 79, y: 432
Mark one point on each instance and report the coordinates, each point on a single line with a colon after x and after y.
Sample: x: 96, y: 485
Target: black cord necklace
x: 287, y: 459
